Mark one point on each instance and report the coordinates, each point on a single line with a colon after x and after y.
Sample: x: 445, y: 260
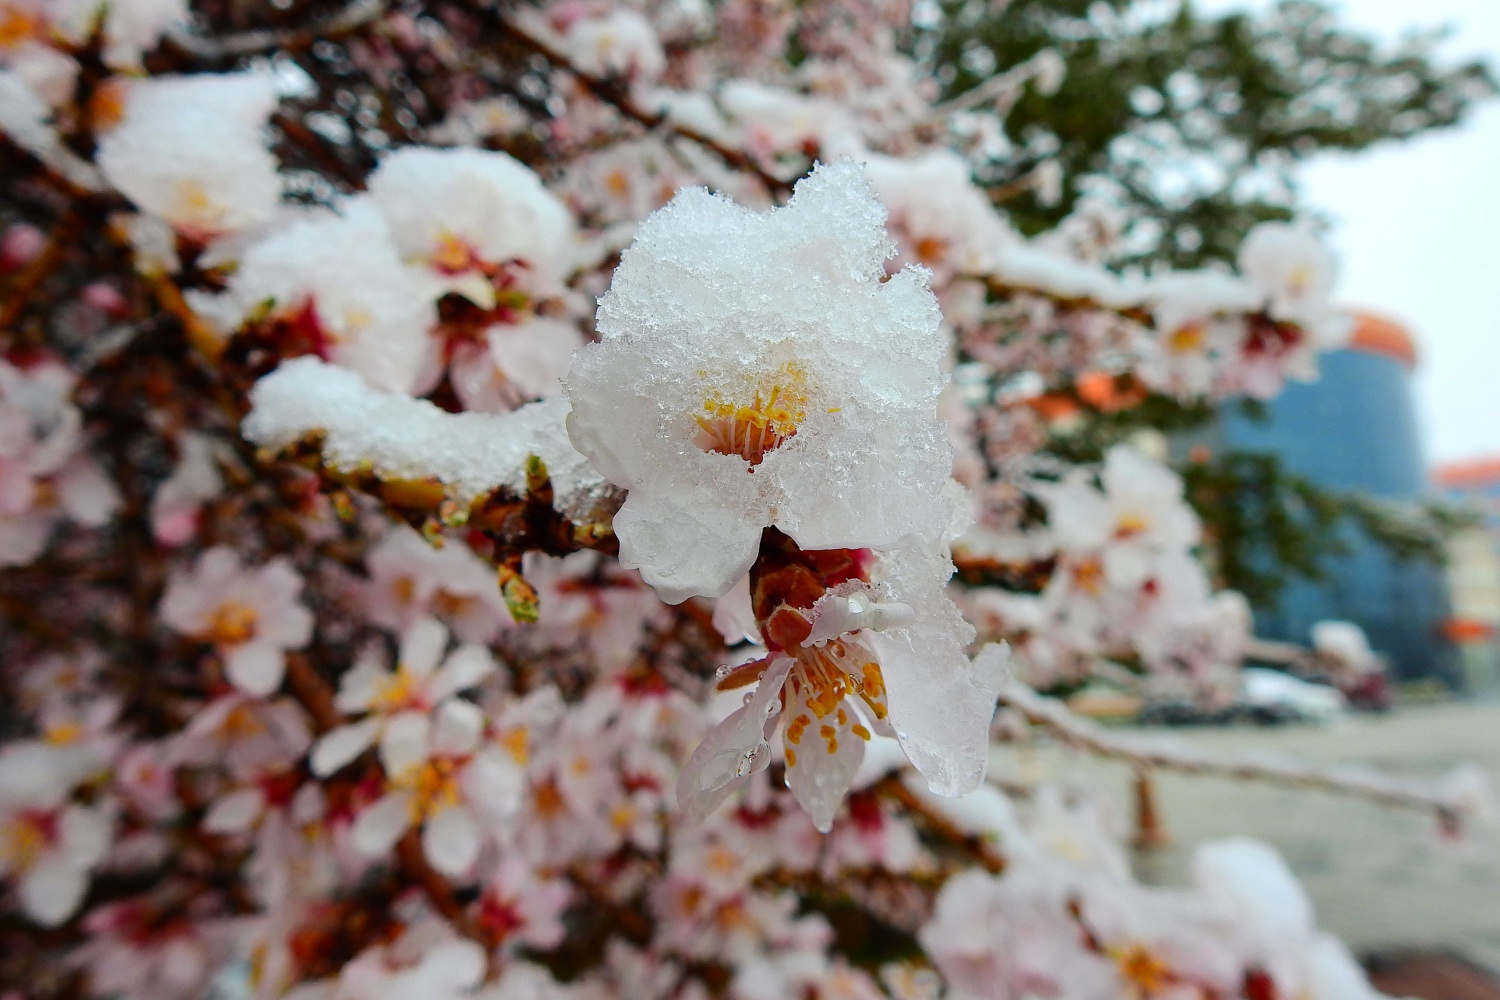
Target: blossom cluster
x: 503, y: 546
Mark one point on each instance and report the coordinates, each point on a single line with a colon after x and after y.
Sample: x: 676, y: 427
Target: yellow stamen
x: 232, y: 623
x: 433, y: 784
x: 1188, y: 339
x: 754, y: 430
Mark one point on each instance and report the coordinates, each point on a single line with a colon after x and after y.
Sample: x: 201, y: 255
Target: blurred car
x: 1271, y: 696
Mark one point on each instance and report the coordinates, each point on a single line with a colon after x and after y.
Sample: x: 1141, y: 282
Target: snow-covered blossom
x: 1293, y: 269
x: 463, y: 214
x: 193, y: 150
x: 789, y: 386
x: 128, y: 30
x: 334, y: 286
x: 620, y: 43
x: 250, y: 616
x: 776, y: 121
x: 418, y: 686
x: 1345, y: 646
x: 941, y: 220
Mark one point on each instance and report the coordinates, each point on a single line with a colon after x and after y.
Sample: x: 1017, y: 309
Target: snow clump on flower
x: 192, y: 150
x: 459, y: 212
x: 337, y: 281
x: 621, y: 43
x: 755, y: 370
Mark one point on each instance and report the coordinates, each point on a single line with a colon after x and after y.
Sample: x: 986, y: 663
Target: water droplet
x: 723, y: 671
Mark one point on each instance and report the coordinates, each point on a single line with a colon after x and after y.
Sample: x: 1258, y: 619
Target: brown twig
x: 1088, y: 736
x: 19, y: 291
x: 618, y: 96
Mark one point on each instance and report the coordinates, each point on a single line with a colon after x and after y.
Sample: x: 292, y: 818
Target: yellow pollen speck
x: 63, y: 733
x: 791, y: 757
x: 395, y: 693
x: 452, y: 255
x: 433, y: 784
x: 753, y: 430
x: 1188, y: 339
x: 515, y: 740
x: 861, y: 732
x: 22, y: 842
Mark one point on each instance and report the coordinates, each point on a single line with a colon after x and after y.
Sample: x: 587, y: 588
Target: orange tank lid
x: 1379, y: 335
x: 1470, y: 472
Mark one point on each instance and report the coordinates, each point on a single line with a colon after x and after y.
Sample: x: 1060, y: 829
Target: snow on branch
x: 399, y: 439
x: 1451, y: 801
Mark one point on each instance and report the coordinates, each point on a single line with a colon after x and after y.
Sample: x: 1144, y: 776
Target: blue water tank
x: 1355, y: 429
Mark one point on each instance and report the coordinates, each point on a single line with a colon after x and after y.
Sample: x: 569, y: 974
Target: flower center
x: 1130, y: 525
x: 1141, y: 969
x: 399, y: 692
x: 453, y: 255
x: 1188, y: 339
x: 24, y: 838
x: 753, y: 430
x: 232, y: 623
x: 433, y: 784
x: 18, y: 27
x: 1089, y: 575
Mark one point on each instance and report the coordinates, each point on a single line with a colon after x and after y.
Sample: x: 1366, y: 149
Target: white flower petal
x: 422, y: 647
x: 450, y: 839
x: 382, y: 823
x: 457, y: 728
x: 52, y: 891
x: 465, y: 667
x: 235, y: 812
x: 340, y: 746
x: 403, y: 742
x: 256, y: 668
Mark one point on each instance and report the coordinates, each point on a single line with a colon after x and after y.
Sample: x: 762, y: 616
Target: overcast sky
x: 1418, y: 232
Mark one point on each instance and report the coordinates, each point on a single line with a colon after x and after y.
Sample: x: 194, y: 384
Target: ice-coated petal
x: 822, y: 764
x: 684, y: 551
x: 734, y: 749
x: 940, y: 706
x: 450, y: 840
x: 256, y: 668
x: 377, y: 829
x: 340, y: 746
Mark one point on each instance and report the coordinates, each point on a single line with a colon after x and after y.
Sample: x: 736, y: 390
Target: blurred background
x: 1407, y: 415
